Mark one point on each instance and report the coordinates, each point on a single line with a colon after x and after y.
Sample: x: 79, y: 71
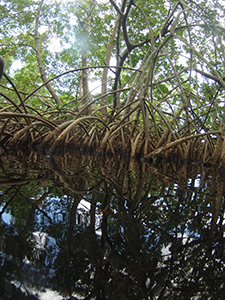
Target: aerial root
x: 91, y: 133
x: 217, y: 150
x: 134, y: 144
x: 222, y: 156
x: 23, y: 134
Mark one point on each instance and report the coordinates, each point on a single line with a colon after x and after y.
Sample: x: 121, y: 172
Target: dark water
x: 82, y: 227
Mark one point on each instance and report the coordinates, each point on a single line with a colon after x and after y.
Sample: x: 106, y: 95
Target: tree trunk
x: 105, y: 71
x: 39, y: 60
x: 84, y: 73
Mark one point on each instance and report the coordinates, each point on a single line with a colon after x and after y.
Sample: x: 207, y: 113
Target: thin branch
x: 116, y: 7
x: 2, y: 65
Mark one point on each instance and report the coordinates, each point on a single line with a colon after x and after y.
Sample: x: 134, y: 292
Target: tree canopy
x: 142, y: 77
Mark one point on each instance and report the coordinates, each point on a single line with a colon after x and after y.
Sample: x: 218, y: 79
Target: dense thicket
x: 143, y: 78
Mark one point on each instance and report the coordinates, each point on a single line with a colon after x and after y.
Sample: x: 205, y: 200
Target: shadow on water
x: 103, y: 228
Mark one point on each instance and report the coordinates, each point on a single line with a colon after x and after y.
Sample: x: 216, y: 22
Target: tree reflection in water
x: 146, y: 230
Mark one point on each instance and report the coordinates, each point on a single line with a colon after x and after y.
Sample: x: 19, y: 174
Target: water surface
x: 76, y: 226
